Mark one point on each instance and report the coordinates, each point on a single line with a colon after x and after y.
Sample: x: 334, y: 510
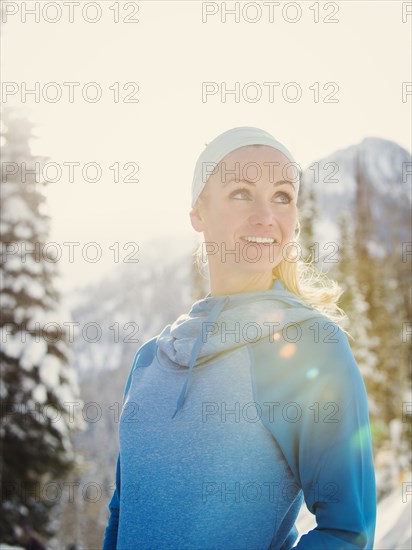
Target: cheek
x: 289, y: 222
x: 216, y: 221
x: 219, y: 212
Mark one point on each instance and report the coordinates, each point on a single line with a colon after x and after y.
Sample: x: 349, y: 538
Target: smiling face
x: 247, y: 213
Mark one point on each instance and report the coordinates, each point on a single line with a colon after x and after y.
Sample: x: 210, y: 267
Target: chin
x: 260, y: 267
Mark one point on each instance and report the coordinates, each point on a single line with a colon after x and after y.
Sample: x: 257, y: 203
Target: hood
x: 217, y: 324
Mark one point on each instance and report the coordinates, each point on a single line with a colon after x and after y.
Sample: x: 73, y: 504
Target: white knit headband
x: 224, y: 144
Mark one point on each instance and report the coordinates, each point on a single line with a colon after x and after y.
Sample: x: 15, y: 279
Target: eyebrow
x: 252, y: 183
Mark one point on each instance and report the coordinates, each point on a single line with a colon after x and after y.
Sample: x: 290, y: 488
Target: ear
x: 196, y: 219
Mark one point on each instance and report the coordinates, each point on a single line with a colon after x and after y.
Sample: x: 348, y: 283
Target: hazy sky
x: 361, y: 60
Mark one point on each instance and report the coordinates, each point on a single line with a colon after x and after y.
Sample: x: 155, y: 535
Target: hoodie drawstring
x: 196, y: 349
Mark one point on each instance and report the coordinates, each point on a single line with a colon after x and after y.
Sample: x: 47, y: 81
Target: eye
x: 242, y: 191
x: 285, y: 197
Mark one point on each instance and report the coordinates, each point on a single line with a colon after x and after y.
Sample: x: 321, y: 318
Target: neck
x: 235, y: 283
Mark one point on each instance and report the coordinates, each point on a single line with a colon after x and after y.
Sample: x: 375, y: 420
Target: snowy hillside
x: 368, y: 180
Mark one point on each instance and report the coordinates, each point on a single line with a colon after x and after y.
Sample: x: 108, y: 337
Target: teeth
x: 258, y: 239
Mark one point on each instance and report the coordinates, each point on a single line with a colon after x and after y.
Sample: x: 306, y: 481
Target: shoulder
x: 314, y: 336
x: 307, y: 329
x: 320, y: 340
x: 312, y: 356
x: 145, y: 353
x: 324, y: 337
x: 142, y: 358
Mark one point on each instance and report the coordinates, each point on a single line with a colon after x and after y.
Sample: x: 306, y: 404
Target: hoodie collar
x: 175, y: 342
x: 216, y: 309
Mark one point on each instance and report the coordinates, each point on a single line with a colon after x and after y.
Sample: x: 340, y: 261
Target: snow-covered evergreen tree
x: 379, y: 272
x: 39, y: 391
x: 353, y: 302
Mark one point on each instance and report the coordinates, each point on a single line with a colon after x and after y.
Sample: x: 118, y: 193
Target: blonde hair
x: 314, y: 287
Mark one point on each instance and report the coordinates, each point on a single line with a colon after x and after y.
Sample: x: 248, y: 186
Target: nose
x: 262, y: 213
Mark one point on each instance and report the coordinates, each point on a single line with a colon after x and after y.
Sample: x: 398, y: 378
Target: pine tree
x: 380, y: 275
x: 38, y: 388
x: 353, y: 302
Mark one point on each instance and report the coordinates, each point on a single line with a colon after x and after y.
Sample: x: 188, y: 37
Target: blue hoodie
x: 271, y: 410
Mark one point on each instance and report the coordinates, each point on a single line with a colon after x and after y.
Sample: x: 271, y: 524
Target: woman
x: 276, y: 411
